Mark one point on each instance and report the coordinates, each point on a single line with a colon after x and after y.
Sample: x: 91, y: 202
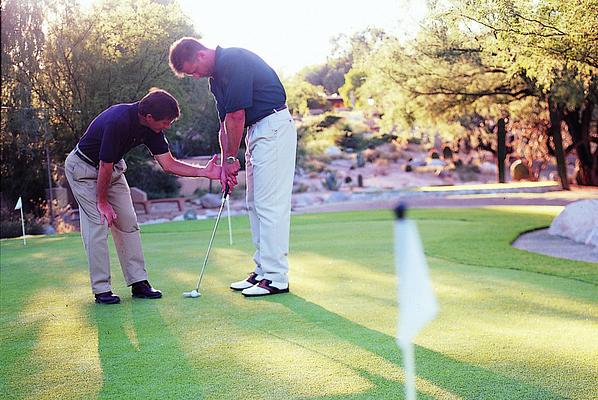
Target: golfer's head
x: 159, y: 109
x: 188, y: 57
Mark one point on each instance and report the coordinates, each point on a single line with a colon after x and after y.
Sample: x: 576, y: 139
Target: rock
x: 338, y: 196
x: 519, y: 171
x: 578, y: 222
x: 210, y: 200
x: 416, y: 163
x: 488, y: 168
x: 333, y: 151
x: 190, y: 215
x: 436, y: 162
x: 592, y: 239
x: 156, y: 221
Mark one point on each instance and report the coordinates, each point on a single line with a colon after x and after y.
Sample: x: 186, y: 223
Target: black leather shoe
x: 144, y: 290
x: 107, y: 298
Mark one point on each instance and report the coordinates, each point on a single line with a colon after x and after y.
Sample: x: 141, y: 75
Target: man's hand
x: 229, y: 174
x: 212, y: 170
x: 107, y: 213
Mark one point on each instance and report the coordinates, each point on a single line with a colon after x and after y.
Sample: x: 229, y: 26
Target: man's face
x: 158, y: 125
x: 198, y: 67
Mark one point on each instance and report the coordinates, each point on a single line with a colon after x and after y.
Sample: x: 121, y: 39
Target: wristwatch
x: 231, y: 159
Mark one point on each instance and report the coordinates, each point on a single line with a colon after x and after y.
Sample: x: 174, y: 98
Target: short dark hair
x: 182, y: 51
x: 160, y: 104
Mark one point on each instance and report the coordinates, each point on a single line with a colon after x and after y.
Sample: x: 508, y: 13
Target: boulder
x: 333, y: 151
x: 338, y: 196
x: 519, y: 171
x: 210, y: 200
x: 578, y: 221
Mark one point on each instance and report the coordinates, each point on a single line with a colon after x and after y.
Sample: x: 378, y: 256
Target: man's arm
x: 105, y: 209
x: 231, y: 133
x: 173, y: 166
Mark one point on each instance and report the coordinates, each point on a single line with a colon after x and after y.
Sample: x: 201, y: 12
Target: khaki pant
x: 270, y: 168
x: 82, y: 178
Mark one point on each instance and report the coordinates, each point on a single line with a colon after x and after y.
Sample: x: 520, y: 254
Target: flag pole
x: 23, y: 226
x: 409, y: 365
x: 19, y: 206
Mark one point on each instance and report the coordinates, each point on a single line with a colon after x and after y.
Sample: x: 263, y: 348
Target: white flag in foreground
x: 417, y: 303
x: 19, y: 204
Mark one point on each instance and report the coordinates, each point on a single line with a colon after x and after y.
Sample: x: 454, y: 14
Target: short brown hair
x: 160, y: 104
x: 182, y: 51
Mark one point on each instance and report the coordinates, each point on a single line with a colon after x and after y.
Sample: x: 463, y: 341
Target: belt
x: 275, y: 110
x: 85, y: 158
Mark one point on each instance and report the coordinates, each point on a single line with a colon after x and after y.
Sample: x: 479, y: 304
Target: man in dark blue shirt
x: 250, y: 95
x: 95, y: 171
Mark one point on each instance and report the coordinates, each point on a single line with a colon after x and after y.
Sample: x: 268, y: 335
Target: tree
x: 22, y: 165
x: 346, y: 50
x: 87, y: 61
x: 302, y: 95
x: 497, y: 59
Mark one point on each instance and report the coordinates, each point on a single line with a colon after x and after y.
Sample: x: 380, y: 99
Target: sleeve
x: 157, y: 144
x: 238, y: 93
x: 110, y: 143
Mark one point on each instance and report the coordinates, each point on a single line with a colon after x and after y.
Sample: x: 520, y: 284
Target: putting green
x: 512, y: 324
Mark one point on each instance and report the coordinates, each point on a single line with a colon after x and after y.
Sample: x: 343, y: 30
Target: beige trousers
x: 270, y: 168
x: 82, y: 178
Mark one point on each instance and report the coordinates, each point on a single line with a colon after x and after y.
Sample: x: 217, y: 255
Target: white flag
x: 19, y: 204
x: 417, y: 303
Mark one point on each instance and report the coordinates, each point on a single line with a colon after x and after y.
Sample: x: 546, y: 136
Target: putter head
x: 192, y: 294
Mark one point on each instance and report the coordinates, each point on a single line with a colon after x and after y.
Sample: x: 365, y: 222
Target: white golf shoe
x: 251, y: 280
x: 266, y: 287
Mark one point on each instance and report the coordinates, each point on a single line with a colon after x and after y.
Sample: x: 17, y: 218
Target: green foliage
x: 303, y: 96
x: 10, y: 223
x: 354, y: 79
x: 329, y: 76
x: 149, y: 177
x: 92, y: 58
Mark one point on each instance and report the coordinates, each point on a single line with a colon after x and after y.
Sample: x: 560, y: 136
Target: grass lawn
x: 512, y: 325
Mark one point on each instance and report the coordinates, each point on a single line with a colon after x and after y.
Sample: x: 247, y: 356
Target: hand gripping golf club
x: 195, y: 292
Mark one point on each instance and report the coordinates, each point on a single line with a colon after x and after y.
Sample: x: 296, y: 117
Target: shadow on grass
x: 139, y: 356
x: 459, y: 378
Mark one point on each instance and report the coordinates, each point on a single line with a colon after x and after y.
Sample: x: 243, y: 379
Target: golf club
x: 230, y: 229
x: 195, y: 292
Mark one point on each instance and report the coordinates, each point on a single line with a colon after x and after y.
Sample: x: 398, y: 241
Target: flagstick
x: 23, y: 226
x: 230, y: 231
x: 409, y: 365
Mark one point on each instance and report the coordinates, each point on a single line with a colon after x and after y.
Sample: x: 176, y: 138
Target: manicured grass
x: 512, y: 325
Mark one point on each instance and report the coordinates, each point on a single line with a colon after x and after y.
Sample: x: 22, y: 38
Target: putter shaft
x: 205, y: 261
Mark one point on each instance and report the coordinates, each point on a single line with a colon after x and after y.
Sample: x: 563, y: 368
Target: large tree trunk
x: 578, y: 122
x: 556, y: 118
x: 501, y: 149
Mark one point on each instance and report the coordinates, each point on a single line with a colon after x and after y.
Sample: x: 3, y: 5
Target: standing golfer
x: 95, y: 171
x: 249, y: 95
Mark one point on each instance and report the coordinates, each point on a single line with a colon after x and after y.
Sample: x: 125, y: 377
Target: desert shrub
x: 467, y: 172
x: 381, y: 163
x: 10, y: 224
x: 313, y: 165
x: 371, y: 155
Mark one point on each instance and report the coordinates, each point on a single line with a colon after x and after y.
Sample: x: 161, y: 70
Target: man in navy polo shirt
x: 250, y: 95
x: 95, y: 171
